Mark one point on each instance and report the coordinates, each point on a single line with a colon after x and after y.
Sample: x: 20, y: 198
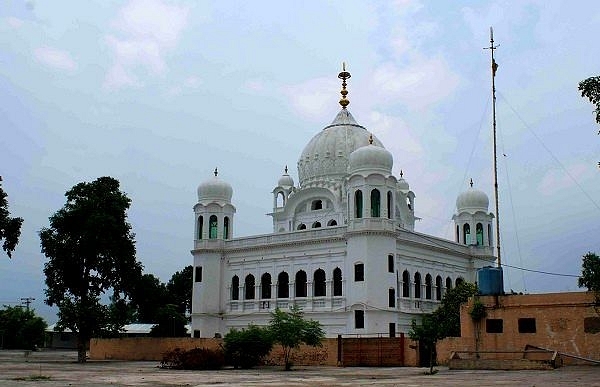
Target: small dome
x: 370, y: 158
x: 285, y: 180
x: 402, y: 184
x: 215, y: 189
x: 472, y: 200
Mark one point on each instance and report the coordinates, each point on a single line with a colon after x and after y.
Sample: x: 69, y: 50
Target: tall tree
x: 91, y: 252
x: 10, y: 228
x: 590, y: 89
x: 148, y: 296
x: 179, y: 288
x: 590, y: 274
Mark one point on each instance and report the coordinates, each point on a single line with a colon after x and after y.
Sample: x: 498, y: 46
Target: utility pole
x: 27, y: 301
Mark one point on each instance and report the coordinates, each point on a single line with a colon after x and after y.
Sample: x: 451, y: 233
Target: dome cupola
x: 285, y: 180
x: 370, y: 158
x: 215, y: 189
x: 472, y: 200
x: 326, y: 155
x: 402, y: 183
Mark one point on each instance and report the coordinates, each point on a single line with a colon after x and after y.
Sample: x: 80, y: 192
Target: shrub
x: 248, y: 347
x: 193, y: 359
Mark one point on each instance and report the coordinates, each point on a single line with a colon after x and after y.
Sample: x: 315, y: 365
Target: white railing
x: 306, y: 304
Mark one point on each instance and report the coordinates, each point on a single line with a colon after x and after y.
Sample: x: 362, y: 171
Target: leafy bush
x: 248, y: 347
x: 193, y: 359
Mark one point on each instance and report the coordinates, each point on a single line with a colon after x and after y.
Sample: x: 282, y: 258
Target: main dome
x: 326, y: 154
x: 472, y: 200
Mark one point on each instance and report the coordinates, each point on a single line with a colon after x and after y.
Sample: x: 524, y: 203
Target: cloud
x: 418, y: 85
x: 189, y: 83
x: 13, y: 22
x: 55, y: 58
x: 143, y: 32
x: 313, y: 98
x: 557, y: 180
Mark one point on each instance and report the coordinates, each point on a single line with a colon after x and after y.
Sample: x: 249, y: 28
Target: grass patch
x: 32, y: 378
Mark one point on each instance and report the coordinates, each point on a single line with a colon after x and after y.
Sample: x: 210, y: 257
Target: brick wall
x: 557, y: 318
x: 153, y: 348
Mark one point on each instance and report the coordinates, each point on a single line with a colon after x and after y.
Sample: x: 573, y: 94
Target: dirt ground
x: 58, y: 368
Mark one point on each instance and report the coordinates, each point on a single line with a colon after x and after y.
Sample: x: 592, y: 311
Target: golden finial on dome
x: 343, y: 76
x: 371, y: 139
x: 216, y: 172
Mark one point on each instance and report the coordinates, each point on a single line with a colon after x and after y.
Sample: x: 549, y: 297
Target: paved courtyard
x: 58, y: 368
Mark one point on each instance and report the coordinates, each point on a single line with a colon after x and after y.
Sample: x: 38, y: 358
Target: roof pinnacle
x: 471, y: 183
x: 216, y: 172
x: 343, y: 76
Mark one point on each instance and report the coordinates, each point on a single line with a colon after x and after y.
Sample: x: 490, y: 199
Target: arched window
x: 301, y: 283
x: 200, y: 225
x: 332, y: 222
x: 235, y: 288
x: 438, y: 288
x: 212, y: 227
x: 280, y: 199
x: 358, y: 204
x: 249, y: 287
x: 319, y: 286
x: 283, y: 285
x: 489, y: 234
x: 428, y: 287
x: 459, y: 281
x: 417, y: 285
x: 316, y: 205
x: 479, y: 234
x: 466, y: 234
x: 392, y: 297
x: 316, y: 225
x: 448, y: 283
x: 405, y: 284
x: 389, y: 205
x: 265, y: 286
x: 226, y: 228
x: 375, y: 203
x: 457, y: 234
x: 301, y: 226
x: 337, y: 281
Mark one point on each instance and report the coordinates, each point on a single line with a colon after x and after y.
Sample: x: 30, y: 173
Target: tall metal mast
x: 494, y: 68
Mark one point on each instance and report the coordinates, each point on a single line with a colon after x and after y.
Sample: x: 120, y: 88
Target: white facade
x: 343, y: 246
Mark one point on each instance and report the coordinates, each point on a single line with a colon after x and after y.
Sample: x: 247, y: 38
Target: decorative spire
x: 343, y: 76
x: 401, y: 174
x: 471, y: 183
x: 216, y: 172
x: 371, y: 139
x: 286, y: 169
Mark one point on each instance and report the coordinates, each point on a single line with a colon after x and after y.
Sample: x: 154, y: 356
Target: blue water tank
x: 490, y: 281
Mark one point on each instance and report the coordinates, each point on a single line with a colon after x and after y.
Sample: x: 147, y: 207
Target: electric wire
x: 551, y: 154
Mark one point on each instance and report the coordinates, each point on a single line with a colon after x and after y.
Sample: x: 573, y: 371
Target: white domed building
x: 343, y: 248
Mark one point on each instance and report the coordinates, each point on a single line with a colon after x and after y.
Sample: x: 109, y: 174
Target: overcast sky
x: 159, y: 93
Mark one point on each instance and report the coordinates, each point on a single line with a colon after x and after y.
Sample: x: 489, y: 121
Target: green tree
x: 149, y: 294
x: 10, y: 228
x: 91, y: 252
x: 179, y: 289
x: 21, y: 329
x: 246, y: 348
x: 448, y: 313
x: 444, y: 321
x: 590, y: 89
x: 290, y: 329
x: 169, y: 323
x: 590, y: 274
x: 428, y: 332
